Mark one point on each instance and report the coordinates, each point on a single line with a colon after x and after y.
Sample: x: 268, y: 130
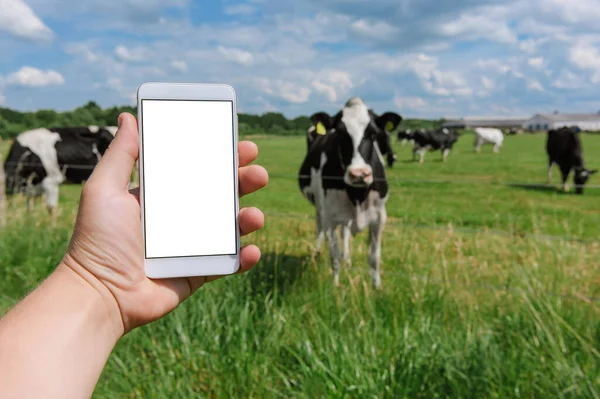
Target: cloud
x: 240, y: 9
x: 411, y: 103
x: 179, y: 66
x: 32, y: 77
x: 537, y: 62
x: 584, y: 55
x: 236, y: 55
x: 289, y: 91
x: 19, y: 20
x: 535, y: 85
x: 125, y: 54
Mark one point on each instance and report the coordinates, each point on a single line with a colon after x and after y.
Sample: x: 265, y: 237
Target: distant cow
x: 343, y: 176
x: 486, y: 135
x: 434, y: 140
x: 42, y: 159
x: 405, y: 136
x: 564, y: 149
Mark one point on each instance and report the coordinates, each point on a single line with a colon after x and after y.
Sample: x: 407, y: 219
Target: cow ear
x: 322, y: 123
x: 388, y: 121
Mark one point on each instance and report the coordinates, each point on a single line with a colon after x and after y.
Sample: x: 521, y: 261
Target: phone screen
x: 189, y: 178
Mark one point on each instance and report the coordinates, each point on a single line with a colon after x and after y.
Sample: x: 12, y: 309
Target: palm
x: 108, y: 241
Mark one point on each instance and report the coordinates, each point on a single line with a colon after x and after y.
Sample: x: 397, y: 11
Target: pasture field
x: 489, y: 290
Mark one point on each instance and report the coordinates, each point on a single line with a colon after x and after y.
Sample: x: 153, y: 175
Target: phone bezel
x: 218, y: 265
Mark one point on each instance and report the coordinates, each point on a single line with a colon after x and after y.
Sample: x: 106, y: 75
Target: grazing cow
x: 42, y: 159
x: 343, y: 176
x: 405, y: 136
x: 433, y: 140
x: 486, y: 135
x: 564, y: 149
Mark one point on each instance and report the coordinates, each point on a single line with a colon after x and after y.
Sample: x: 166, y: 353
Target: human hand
x: 107, y: 251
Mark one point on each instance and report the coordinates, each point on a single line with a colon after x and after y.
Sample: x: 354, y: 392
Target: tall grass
x: 467, y: 314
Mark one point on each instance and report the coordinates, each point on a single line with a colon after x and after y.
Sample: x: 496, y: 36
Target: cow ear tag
x: 321, y: 129
x: 389, y: 126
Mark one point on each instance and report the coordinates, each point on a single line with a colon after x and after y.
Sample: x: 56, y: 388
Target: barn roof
x: 571, y: 117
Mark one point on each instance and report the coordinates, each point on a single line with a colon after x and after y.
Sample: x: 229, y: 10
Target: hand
x: 107, y: 246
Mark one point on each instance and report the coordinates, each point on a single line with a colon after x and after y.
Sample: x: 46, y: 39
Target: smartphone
x: 188, y: 179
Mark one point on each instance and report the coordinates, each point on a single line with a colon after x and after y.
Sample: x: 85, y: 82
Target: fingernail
x: 120, y: 121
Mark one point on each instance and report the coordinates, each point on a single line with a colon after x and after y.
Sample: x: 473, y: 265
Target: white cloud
x: 33, y: 77
x: 535, y: 85
x: 584, y: 55
x: 487, y: 83
x: 537, y: 62
x: 179, y: 66
x: 240, y: 9
x: 568, y: 80
x: 125, y: 54
x: 325, y: 89
x: 479, y: 25
x: 236, y: 55
x: 375, y: 30
x: 411, y: 103
x: 82, y: 50
x: 19, y: 20
x: 291, y: 92
x: 2, y: 99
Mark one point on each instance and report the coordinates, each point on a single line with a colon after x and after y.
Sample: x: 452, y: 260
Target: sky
x: 420, y: 58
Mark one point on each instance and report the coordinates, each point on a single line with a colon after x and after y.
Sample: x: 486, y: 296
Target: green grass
x: 461, y: 314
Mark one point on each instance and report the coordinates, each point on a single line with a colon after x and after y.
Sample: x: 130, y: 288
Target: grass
x: 463, y: 313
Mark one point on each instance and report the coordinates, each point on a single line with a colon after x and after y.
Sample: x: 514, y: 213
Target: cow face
x: 582, y: 175
x: 357, y: 136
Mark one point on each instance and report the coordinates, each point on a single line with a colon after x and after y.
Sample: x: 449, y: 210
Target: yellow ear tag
x: 389, y: 126
x: 321, y: 129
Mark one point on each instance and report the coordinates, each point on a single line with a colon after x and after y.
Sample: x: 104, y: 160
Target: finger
x: 251, y: 220
x: 116, y: 166
x: 252, y: 178
x: 249, y: 257
x: 247, y: 152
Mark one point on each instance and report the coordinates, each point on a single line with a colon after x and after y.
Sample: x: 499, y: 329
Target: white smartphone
x: 189, y: 179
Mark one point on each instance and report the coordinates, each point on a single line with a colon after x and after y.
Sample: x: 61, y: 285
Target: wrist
x: 99, y: 300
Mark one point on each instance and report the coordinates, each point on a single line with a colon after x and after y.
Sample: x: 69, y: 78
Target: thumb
x: 116, y: 166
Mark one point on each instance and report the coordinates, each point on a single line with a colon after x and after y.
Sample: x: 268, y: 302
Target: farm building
x: 586, y: 122
x: 501, y: 122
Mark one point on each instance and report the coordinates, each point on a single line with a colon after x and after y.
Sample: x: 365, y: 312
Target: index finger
x: 247, y: 152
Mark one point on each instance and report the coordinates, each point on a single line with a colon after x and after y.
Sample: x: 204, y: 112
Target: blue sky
x: 428, y: 58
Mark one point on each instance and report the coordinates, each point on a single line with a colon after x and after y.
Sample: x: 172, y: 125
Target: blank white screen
x: 189, y: 187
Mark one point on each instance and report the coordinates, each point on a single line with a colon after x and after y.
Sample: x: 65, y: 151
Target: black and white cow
x: 383, y: 137
x: 564, y: 149
x: 40, y: 160
x: 343, y: 176
x: 405, y: 136
x: 434, y: 140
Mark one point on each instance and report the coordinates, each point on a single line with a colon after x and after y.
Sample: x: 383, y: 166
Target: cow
x: 433, y: 140
x: 405, y: 136
x: 40, y: 160
x: 343, y: 176
x: 486, y: 135
x: 383, y: 139
x: 564, y: 149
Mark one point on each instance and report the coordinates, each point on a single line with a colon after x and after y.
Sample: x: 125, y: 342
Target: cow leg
x: 50, y: 189
x: 550, y: 173
x: 477, y: 145
x: 445, y: 154
x: 565, y: 178
x: 496, y: 148
x: 346, y: 245
x: 375, y: 238
x: 320, y: 234
x: 334, y: 253
x: 422, y: 155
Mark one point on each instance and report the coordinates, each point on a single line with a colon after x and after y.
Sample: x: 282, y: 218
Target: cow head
x: 582, y: 175
x: 357, y: 135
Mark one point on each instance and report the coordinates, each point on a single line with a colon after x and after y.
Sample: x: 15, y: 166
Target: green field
x: 489, y: 290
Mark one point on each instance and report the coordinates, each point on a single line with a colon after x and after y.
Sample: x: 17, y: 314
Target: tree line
x: 271, y: 123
